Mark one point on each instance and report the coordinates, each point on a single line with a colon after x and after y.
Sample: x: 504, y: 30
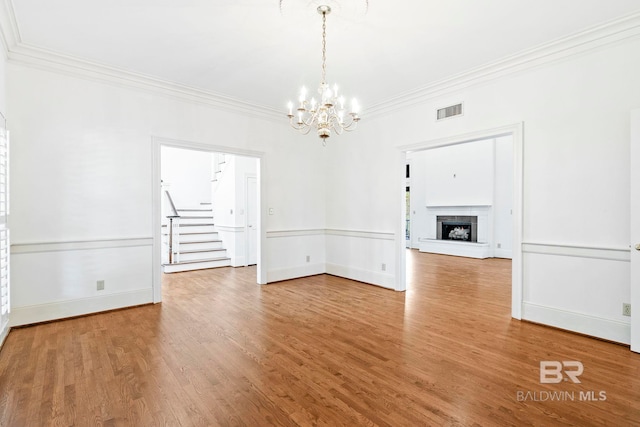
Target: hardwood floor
x: 221, y: 350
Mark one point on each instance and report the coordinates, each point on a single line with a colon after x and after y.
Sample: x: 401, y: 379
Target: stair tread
x: 193, y: 225
x: 195, y: 217
x: 194, y: 261
x: 195, y: 251
x: 201, y: 241
x: 193, y: 234
x: 195, y: 210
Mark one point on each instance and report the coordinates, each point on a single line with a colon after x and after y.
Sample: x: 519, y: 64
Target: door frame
x: 247, y: 177
x: 156, y: 215
x: 634, y: 235
x: 516, y: 131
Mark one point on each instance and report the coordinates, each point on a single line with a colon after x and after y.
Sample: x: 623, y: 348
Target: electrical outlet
x: 384, y: 267
x: 100, y: 284
x: 626, y: 309
x: 499, y: 245
x: 308, y: 258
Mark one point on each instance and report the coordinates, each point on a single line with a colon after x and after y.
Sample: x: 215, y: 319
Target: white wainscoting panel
x: 233, y: 240
x: 360, y: 255
x: 577, y: 288
x: 59, y: 279
x: 287, y: 253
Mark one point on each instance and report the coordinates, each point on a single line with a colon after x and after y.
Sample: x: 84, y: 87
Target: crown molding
x: 593, y: 38
x: 36, y: 57
x: 9, y: 32
x: 16, y: 51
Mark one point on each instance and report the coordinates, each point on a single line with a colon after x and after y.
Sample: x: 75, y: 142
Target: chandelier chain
x: 324, y: 47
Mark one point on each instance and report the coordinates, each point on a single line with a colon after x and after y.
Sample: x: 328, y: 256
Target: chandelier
x: 328, y: 112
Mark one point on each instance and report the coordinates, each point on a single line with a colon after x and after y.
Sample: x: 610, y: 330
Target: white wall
x: 186, y: 174
x: 576, y: 176
x: 81, y: 182
x: 458, y: 175
x: 503, y: 198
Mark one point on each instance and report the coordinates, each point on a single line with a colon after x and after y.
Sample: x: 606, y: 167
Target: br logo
x: 553, y: 371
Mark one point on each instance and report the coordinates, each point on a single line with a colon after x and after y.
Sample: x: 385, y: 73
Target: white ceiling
x: 261, y: 51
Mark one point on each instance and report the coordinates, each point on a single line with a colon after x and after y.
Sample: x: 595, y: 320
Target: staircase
x: 194, y: 243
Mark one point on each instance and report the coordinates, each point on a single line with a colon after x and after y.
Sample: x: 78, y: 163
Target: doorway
x: 258, y: 213
x: 515, y: 212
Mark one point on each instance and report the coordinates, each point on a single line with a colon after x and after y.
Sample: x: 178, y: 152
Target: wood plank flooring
x: 221, y: 350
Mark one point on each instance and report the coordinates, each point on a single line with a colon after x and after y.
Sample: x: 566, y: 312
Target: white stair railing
x: 174, y: 231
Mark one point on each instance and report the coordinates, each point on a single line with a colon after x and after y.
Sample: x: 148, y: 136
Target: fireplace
x: 457, y: 228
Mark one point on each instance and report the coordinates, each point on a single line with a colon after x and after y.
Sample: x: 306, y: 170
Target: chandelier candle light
x: 329, y: 111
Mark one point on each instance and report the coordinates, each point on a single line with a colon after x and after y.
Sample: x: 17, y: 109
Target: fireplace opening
x: 457, y: 228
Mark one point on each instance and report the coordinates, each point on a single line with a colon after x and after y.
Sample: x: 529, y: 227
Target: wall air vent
x: 454, y: 110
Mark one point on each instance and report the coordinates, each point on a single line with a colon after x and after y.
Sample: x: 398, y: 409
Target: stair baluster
x: 174, y: 235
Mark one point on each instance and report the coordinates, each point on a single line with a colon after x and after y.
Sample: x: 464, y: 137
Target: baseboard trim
x: 607, y: 329
x: 28, y: 315
x: 366, y: 276
x: 502, y: 253
x: 295, y: 272
x: 238, y: 261
x: 3, y: 335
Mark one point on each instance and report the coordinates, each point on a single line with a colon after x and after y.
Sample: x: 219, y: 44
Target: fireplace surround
x: 458, y: 230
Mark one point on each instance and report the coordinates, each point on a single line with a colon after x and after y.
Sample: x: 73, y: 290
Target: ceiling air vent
x: 454, y: 110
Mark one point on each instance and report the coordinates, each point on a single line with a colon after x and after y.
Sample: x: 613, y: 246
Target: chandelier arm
x: 304, y: 130
x: 309, y: 121
x: 348, y: 126
x: 352, y: 126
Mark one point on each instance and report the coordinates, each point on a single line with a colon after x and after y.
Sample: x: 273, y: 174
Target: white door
x: 252, y: 221
x: 635, y: 231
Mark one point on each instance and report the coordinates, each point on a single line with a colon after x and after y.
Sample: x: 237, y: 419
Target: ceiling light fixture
x: 328, y: 113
